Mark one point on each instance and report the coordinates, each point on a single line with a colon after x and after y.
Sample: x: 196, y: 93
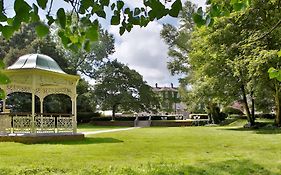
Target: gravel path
x: 110, y: 130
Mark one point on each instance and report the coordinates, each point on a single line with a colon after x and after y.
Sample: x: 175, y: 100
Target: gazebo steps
x: 41, y: 137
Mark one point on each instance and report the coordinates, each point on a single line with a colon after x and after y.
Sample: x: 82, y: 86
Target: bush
x: 101, y: 119
x: 124, y: 118
x: 267, y: 116
x: 236, y: 116
x: 232, y: 110
x: 85, y: 117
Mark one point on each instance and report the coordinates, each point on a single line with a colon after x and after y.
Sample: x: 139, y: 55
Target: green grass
x: 160, y: 150
x: 89, y: 127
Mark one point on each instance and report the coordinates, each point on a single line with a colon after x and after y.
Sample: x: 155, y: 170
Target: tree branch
x: 267, y: 33
x: 50, y: 8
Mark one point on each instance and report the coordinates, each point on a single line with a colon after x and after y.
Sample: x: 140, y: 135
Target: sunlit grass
x: 160, y: 150
x: 90, y: 127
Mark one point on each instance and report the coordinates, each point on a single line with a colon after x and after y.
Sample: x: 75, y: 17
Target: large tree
x: 120, y: 88
x: 229, y: 59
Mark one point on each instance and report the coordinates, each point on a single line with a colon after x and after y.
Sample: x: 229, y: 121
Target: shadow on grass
x: 257, y: 131
x: 233, y: 167
x: 85, y: 141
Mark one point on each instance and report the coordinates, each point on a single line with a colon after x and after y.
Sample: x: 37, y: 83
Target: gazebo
x: 39, y: 75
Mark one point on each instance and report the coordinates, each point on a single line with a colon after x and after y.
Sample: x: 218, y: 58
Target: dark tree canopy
x: 119, y: 87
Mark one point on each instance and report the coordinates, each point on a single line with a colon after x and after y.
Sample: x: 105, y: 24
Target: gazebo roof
x: 37, y: 61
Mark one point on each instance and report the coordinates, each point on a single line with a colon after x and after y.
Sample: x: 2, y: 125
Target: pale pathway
x: 110, y: 130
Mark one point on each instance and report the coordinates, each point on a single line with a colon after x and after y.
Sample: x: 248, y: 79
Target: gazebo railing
x: 43, y: 123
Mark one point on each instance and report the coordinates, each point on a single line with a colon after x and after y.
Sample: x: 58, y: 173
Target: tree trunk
x: 278, y: 107
x: 246, y: 106
x: 113, y: 111
x: 253, y: 105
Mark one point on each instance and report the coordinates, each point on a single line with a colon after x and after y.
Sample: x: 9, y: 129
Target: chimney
x: 172, y: 86
x: 156, y: 85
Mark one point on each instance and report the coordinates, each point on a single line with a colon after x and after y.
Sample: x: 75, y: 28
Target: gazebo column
x: 33, y: 112
x: 33, y: 125
x: 41, y: 99
x: 74, y: 113
x: 41, y: 105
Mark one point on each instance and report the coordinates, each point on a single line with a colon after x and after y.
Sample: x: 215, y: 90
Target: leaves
x: 120, y: 4
x: 274, y: 74
x: 198, y: 17
x: 22, y: 10
x: 2, y: 64
x: 92, y: 33
x: 104, y: 2
x: 115, y: 20
x: 4, y: 78
x: 2, y: 94
x: 219, y: 9
x: 89, y: 9
x: 176, y: 7
x: 61, y: 17
x: 42, y: 30
x: 7, y: 31
x: 42, y: 3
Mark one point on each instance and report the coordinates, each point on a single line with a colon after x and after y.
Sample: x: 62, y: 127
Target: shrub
x: 85, y: 117
x: 232, y: 110
x: 267, y: 116
x: 237, y: 116
x: 101, y: 119
x: 125, y: 118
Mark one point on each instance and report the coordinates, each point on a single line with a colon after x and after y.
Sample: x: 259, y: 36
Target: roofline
x: 41, y: 71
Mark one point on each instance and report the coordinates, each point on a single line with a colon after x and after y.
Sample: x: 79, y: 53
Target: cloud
x: 144, y: 50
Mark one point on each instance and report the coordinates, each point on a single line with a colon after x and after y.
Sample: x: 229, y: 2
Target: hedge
x: 85, y: 117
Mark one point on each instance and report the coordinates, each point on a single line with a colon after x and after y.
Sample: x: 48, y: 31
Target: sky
x: 141, y: 49
x: 144, y: 50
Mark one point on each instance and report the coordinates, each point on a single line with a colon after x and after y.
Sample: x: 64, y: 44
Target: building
x: 170, y: 102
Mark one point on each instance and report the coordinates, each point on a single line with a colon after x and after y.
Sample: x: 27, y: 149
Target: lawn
x: 158, y: 150
x: 88, y: 127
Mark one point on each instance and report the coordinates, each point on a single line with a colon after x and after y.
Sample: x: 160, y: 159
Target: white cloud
x: 144, y: 50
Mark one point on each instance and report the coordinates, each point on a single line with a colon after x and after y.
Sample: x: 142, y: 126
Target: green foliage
x: 228, y: 60
x: 42, y: 30
x: 25, y: 42
x: 274, y: 73
x: 57, y: 103
x: 87, y: 62
x: 119, y: 87
x: 86, y: 117
x: 21, y: 102
x: 231, y: 110
x: 86, y: 101
x: 218, y: 9
x: 86, y: 11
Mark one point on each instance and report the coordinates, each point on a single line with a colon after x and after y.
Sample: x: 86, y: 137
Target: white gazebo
x: 40, y: 76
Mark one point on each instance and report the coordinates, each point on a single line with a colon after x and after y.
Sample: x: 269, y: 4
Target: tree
x: 80, y: 33
x: 119, y: 87
x: 28, y: 43
x: 87, y: 62
x: 225, y: 62
x: 86, y: 101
